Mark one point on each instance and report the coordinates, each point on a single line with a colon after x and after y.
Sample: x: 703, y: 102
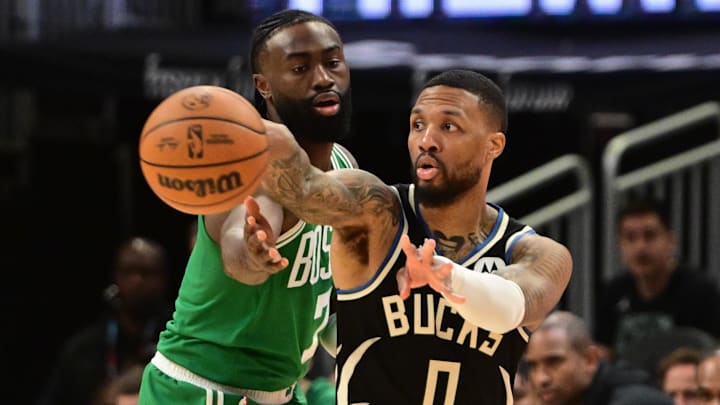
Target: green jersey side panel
x: 254, y: 337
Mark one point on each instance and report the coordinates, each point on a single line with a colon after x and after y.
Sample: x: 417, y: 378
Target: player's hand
x: 260, y: 240
x: 420, y: 270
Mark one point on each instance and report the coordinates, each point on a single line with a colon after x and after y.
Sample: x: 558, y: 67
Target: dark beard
x: 305, y: 123
x: 446, y: 194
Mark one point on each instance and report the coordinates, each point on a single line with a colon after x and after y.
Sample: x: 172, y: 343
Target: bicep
x: 338, y: 198
x: 542, y: 267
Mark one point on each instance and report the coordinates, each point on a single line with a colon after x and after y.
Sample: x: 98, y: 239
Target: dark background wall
x: 74, y: 105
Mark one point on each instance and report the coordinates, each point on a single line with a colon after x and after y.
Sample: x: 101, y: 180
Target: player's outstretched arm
x: 521, y: 294
x: 339, y: 198
x: 246, y: 236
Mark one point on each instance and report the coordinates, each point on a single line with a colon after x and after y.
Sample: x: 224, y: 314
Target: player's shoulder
x: 496, y: 215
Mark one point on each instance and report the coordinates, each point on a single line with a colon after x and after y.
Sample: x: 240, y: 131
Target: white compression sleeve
x: 491, y: 302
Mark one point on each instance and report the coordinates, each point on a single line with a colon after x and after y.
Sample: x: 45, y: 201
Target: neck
x: 651, y: 286
x: 318, y: 152
x: 131, y: 325
x: 461, y: 225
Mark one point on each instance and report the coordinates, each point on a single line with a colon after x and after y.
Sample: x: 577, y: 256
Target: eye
x: 333, y: 63
x: 417, y: 125
x: 299, y: 69
x: 449, y: 126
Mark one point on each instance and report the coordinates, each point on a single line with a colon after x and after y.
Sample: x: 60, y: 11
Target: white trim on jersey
x: 487, y: 244
x: 349, y: 368
x: 381, y: 273
x: 290, y: 234
x: 501, y: 224
x: 508, y: 386
x: 339, y: 159
x: 512, y: 240
x: 523, y: 334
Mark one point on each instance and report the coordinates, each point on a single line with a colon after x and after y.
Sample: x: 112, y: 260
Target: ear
x: 497, y: 145
x: 592, y: 356
x: 262, y: 85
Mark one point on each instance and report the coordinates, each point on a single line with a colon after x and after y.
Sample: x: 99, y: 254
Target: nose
x: 429, y: 141
x: 540, y: 377
x: 322, y: 79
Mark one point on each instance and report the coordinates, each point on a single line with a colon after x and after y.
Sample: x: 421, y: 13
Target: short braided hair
x: 269, y: 27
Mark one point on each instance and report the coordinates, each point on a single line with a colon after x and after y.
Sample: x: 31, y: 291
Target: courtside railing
x: 688, y: 181
x: 567, y: 219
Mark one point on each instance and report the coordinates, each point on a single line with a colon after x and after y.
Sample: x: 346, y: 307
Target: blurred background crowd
x: 614, y: 150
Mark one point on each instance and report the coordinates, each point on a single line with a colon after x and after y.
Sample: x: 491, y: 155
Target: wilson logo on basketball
x: 202, y: 187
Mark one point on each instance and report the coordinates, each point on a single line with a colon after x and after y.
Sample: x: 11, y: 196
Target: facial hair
x: 448, y: 192
x: 305, y: 123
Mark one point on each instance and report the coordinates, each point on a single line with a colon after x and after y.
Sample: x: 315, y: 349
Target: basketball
x: 203, y: 149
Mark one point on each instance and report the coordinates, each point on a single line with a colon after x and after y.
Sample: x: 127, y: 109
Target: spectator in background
x: 122, y: 337
x: 319, y: 382
x: 709, y: 379
x: 565, y: 369
x: 656, y: 294
x: 523, y: 392
x: 124, y: 389
x: 678, y: 375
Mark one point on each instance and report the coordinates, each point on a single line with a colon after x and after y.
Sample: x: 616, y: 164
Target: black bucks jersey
x: 420, y: 351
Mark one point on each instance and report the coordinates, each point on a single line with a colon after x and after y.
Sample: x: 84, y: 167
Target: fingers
x: 427, y: 251
x: 419, y: 271
x: 251, y: 206
x: 403, y: 280
x: 260, y: 248
x: 408, y: 248
x: 276, y: 258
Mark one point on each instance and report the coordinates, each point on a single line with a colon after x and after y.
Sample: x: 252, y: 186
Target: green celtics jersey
x: 253, y: 337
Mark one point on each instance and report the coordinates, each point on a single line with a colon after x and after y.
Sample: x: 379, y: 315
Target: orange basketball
x: 203, y: 150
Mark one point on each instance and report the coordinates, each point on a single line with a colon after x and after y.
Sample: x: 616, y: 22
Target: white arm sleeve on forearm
x: 491, y: 302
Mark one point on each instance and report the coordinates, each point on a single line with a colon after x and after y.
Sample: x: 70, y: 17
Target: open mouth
x: 426, y: 168
x: 327, y: 104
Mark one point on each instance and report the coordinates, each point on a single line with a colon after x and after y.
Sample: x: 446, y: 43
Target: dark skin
x: 463, y: 138
x: 297, y: 62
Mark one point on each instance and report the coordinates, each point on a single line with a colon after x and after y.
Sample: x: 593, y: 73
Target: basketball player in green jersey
x: 247, y: 322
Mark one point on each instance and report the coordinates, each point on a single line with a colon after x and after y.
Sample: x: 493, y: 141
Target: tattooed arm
x: 337, y: 197
x: 542, y: 268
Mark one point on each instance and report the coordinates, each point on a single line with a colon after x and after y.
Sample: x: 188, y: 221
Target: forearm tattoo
x: 543, y: 274
x: 323, y: 199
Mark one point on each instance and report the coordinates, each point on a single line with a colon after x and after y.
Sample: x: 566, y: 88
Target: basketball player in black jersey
x: 447, y: 322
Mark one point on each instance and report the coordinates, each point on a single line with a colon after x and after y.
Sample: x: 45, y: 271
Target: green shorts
x: 158, y: 388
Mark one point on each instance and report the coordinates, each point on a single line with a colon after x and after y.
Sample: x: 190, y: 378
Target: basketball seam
x: 227, y: 162
x: 201, y: 118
